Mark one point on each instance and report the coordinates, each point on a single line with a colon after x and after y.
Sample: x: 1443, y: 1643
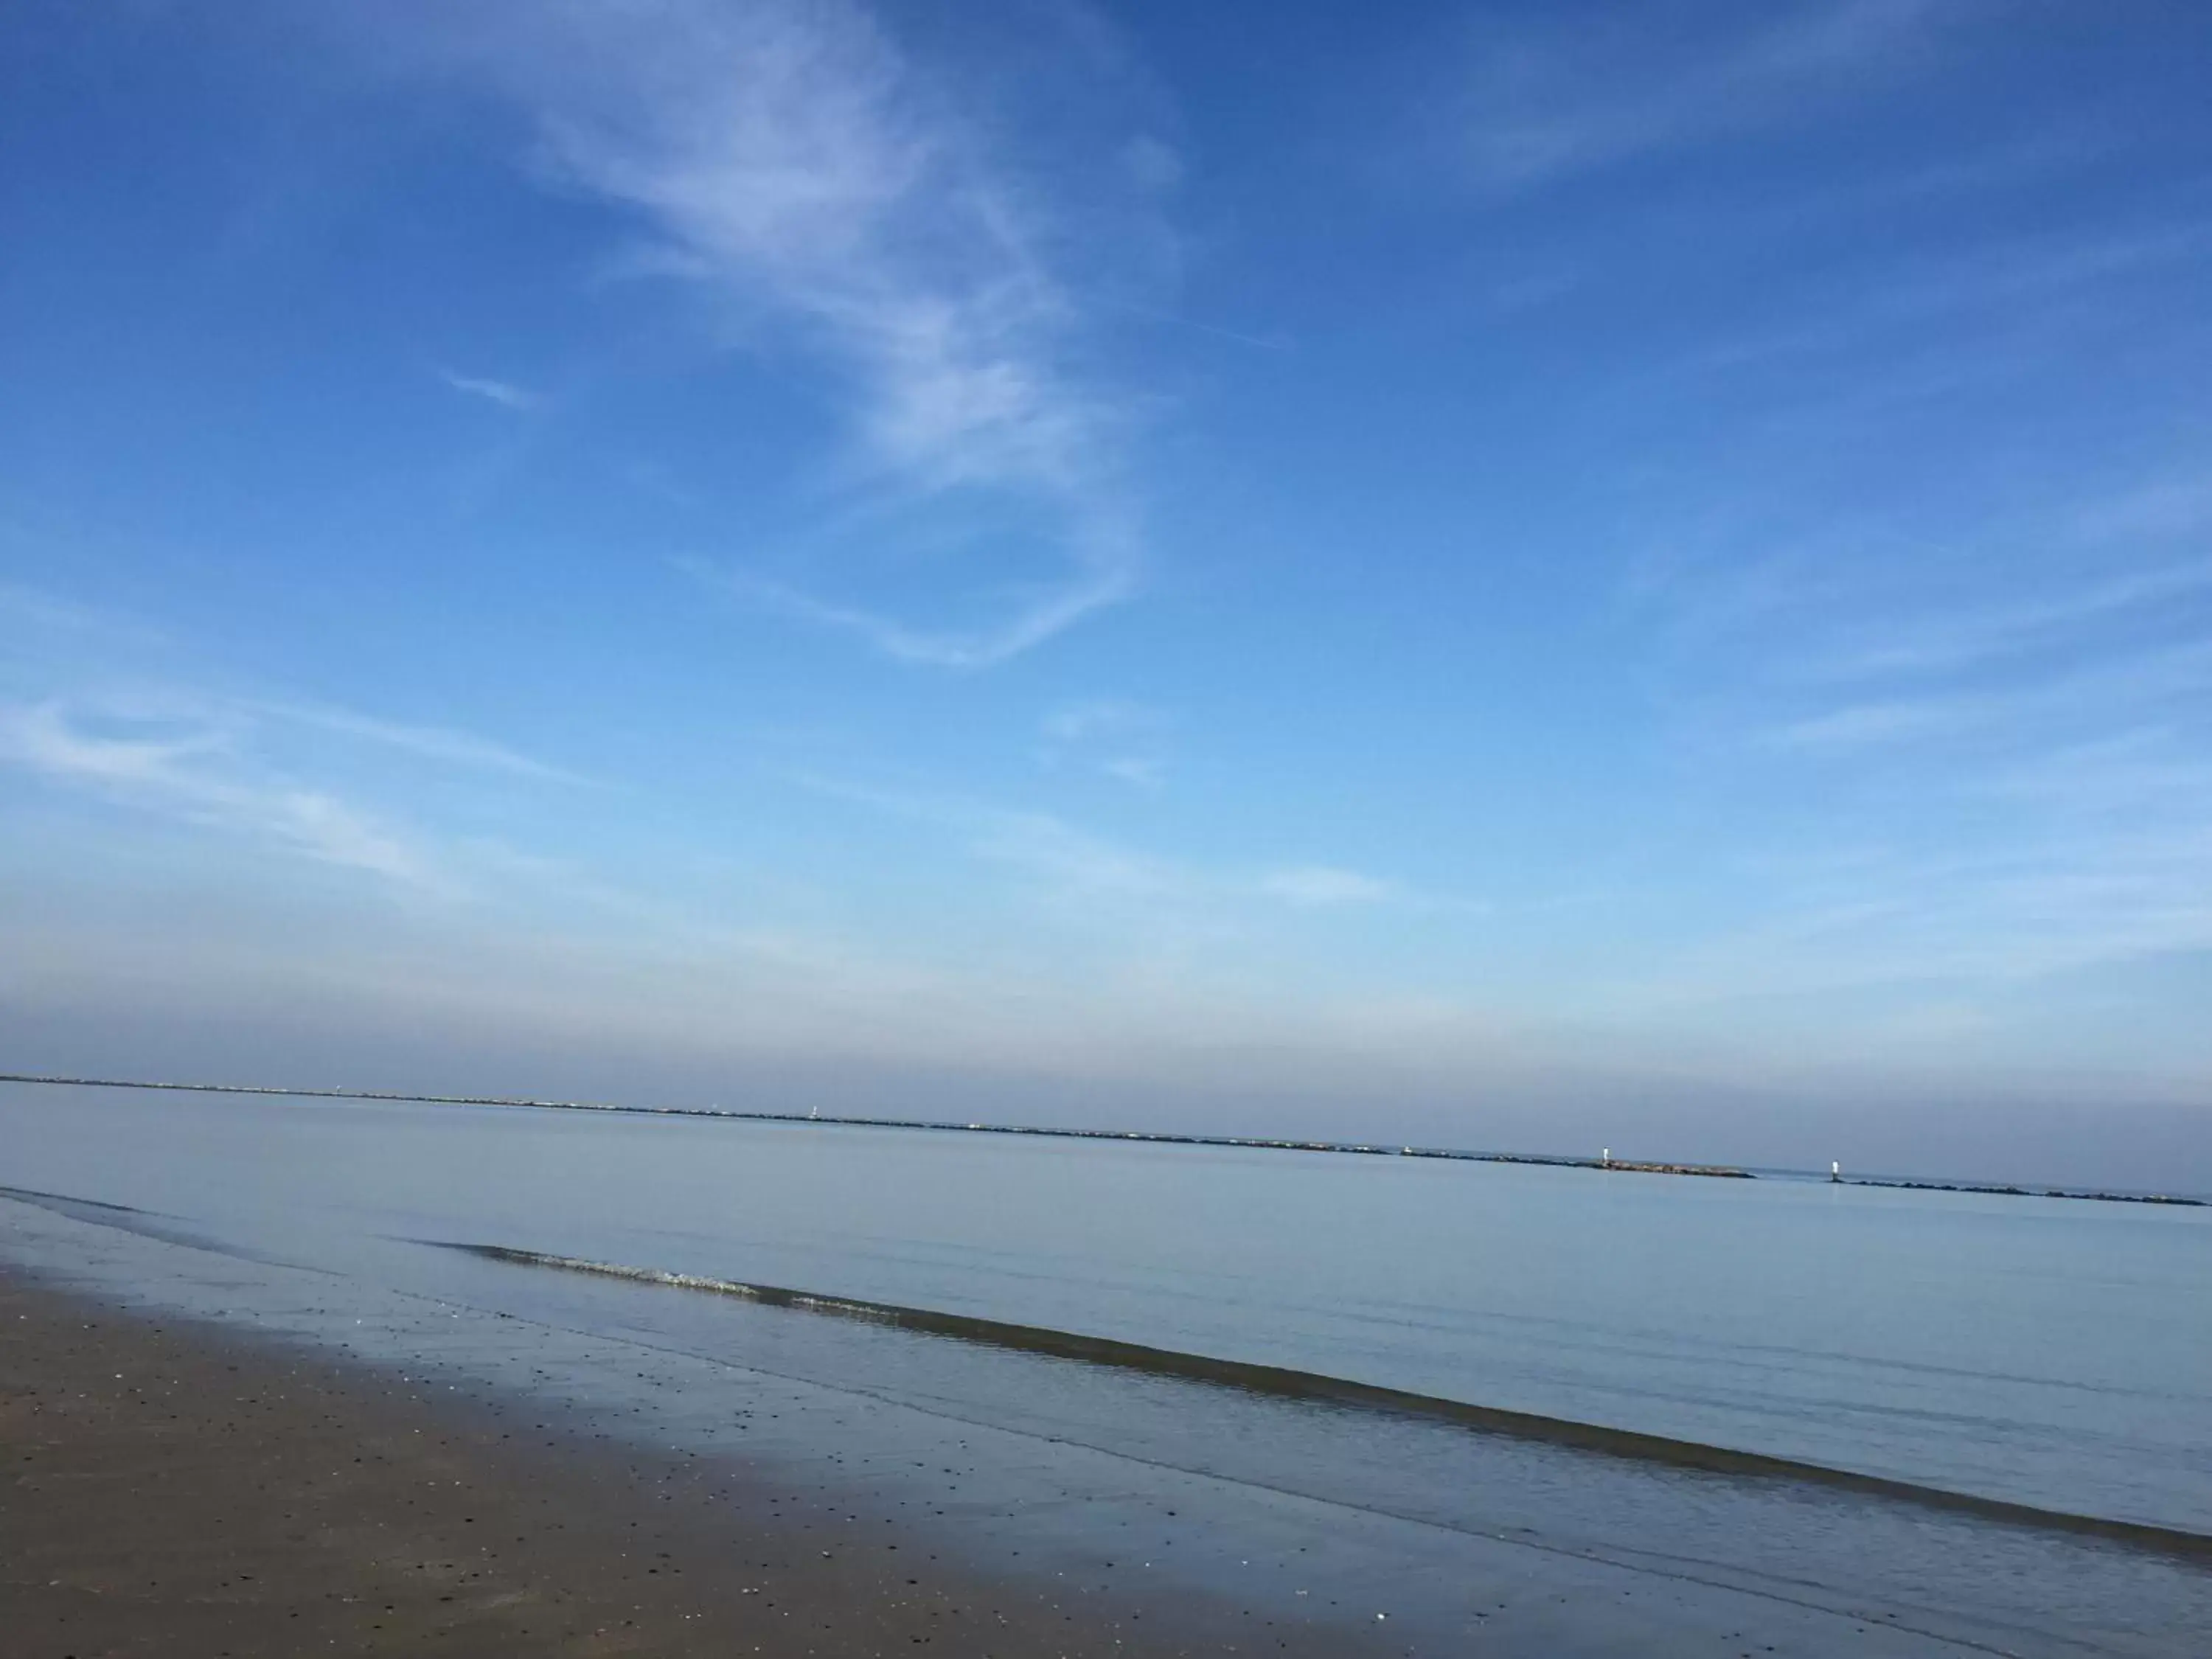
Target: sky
x: 1522, y: 576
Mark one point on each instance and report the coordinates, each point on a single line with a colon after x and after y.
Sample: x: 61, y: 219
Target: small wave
x: 1284, y: 1383
x: 156, y: 1225
x: 62, y: 1203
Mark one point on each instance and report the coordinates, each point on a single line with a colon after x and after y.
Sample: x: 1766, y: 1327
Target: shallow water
x: 2051, y: 1353
x: 2057, y: 1354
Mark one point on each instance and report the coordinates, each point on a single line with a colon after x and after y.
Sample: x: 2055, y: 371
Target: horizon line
x: 1605, y: 1163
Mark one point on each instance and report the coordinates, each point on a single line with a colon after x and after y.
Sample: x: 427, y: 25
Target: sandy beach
x: 175, y: 1490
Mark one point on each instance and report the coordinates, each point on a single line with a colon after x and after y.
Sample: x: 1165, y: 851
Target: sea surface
x: 2045, y: 1352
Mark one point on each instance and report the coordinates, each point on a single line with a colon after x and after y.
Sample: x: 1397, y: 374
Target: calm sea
x: 2052, y: 1353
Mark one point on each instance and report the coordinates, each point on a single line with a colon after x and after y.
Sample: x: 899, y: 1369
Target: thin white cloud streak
x: 1321, y: 886
x: 1864, y: 725
x: 1996, y: 303
x: 1111, y: 736
x: 2172, y: 506
x: 2115, y: 690
x: 1071, y: 863
x: 2077, y: 890
x: 66, y: 653
x: 505, y: 393
x: 100, y: 703
x: 426, y: 741
x: 1582, y: 96
x: 1173, y: 319
x: 195, y: 778
x: 2008, y: 733
x: 1978, y: 636
x: 1078, y: 865
x: 1104, y: 582
x: 1099, y: 717
x: 34, y: 612
x: 1138, y: 771
x: 1127, y: 889
x: 791, y: 155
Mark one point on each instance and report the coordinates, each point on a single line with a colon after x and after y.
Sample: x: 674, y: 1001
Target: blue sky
x: 1519, y: 573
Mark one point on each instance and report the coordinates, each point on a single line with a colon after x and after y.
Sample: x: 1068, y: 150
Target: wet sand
x: 173, y: 1489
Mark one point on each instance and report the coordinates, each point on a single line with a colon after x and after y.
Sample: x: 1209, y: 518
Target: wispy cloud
x: 1072, y: 863
x: 427, y: 742
x: 1078, y: 863
x: 1098, y: 717
x: 1861, y: 725
x: 1175, y: 319
x: 1578, y: 95
x: 1138, y: 771
x: 793, y: 156
x: 1977, y: 635
x: 99, y: 702
x: 1113, y: 736
x: 195, y: 775
x: 505, y: 393
x: 1919, y: 324
x: 1101, y: 582
x: 2091, y: 658
x: 2008, y: 731
x: 1324, y: 886
x: 2164, y: 508
x: 111, y: 666
x: 1111, y: 885
x: 35, y: 610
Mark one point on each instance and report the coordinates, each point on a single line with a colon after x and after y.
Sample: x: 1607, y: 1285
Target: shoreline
x: 175, y: 1487
x: 1261, y: 1143
x: 1627, y: 1445
x: 657, y: 1467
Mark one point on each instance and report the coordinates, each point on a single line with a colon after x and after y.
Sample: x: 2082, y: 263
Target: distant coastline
x: 1157, y: 1137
